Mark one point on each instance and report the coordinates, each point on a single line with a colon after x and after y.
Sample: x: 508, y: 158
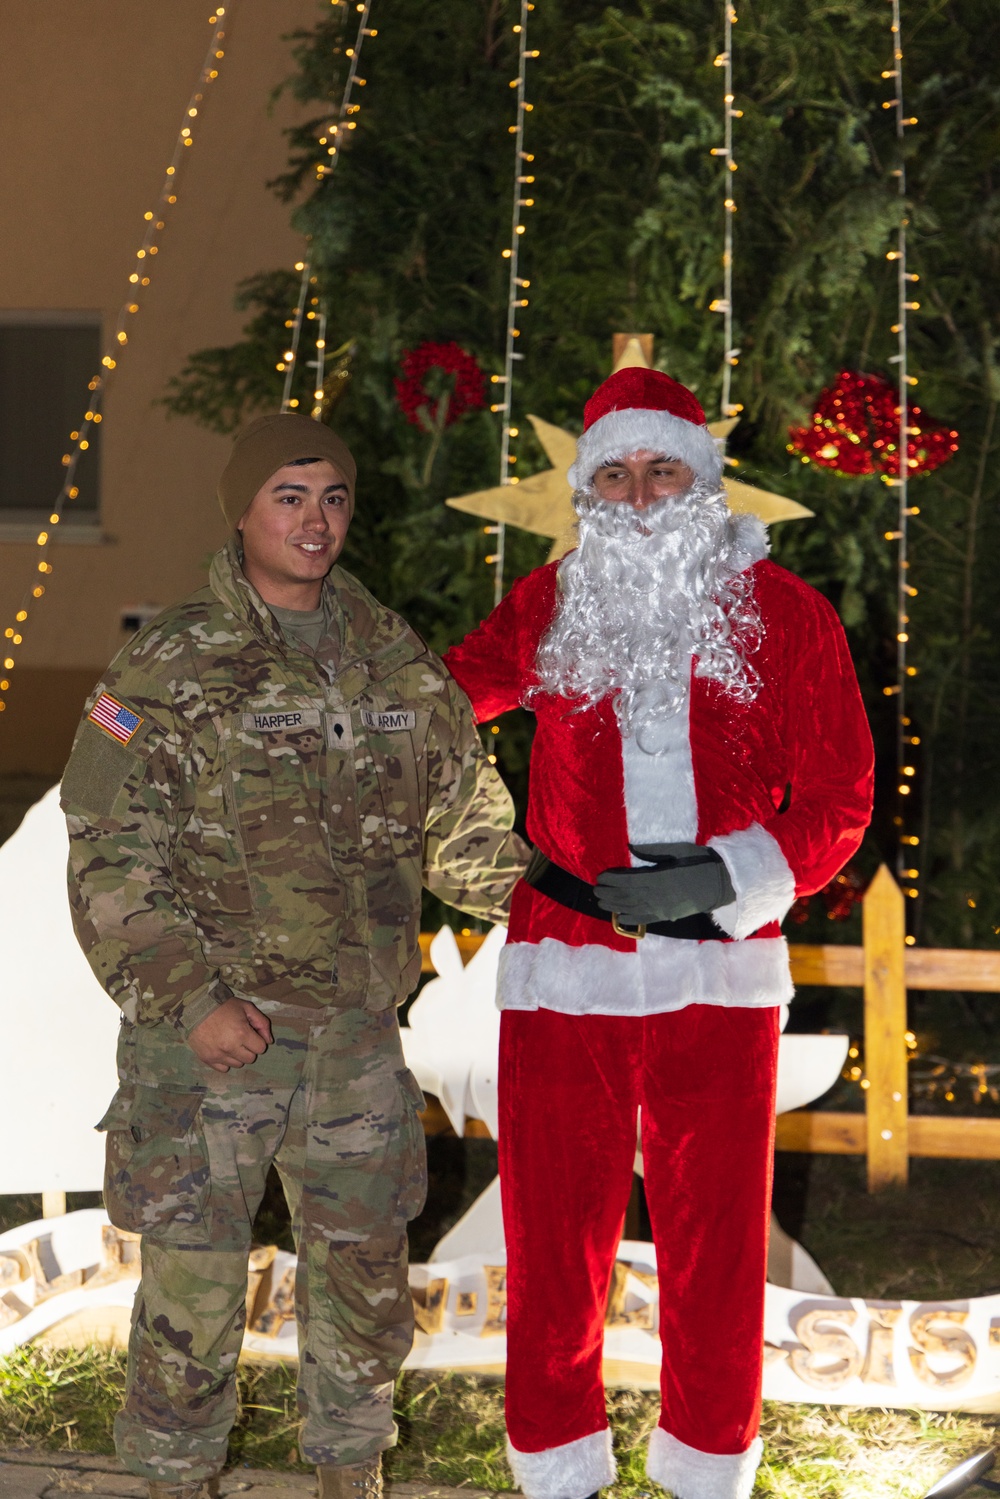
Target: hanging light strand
x: 724, y: 304
x: 333, y: 141
x: 139, y: 279
x: 523, y: 197
x: 905, y: 304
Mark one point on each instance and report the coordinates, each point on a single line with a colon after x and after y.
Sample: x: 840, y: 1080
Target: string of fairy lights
x: 308, y: 308
x: 934, y: 1078
x: 139, y: 280
x: 516, y: 285
x: 905, y: 739
x: 724, y: 304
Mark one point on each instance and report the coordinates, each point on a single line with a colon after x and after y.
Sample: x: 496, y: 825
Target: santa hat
x: 641, y: 408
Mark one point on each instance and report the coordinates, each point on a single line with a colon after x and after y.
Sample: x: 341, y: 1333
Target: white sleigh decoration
x: 72, y: 1279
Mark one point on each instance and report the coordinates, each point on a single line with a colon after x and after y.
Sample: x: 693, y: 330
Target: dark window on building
x: 46, y: 364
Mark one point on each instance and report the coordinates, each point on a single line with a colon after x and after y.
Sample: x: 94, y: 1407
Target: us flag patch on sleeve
x: 115, y: 719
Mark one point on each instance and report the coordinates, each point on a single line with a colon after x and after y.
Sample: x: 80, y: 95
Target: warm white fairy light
x: 523, y: 197
x: 905, y: 304
x: 138, y: 280
x: 331, y: 139
x: 724, y: 304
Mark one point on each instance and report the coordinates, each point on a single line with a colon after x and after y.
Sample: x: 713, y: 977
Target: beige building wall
x: 91, y: 99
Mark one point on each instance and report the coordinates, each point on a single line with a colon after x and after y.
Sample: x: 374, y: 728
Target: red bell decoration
x: 468, y: 394
x: 855, y: 430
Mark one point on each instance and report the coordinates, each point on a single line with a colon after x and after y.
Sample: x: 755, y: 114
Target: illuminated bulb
x: 300, y: 265
x: 36, y: 593
x: 293, y: 403
x: 288, y: 356
x: 909, y: 770
x: 53, y: 521
x: 23, y: 614
x: 321, y: 343
x: 41, y: 538
x: 18, y: 639
x: 318, y: 394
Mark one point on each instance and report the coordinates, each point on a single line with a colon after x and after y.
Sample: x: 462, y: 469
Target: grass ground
x: 939, y: 1238
x: 451, y: 1430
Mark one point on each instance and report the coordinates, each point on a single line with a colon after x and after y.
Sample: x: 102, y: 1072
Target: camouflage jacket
x: 246, y: 819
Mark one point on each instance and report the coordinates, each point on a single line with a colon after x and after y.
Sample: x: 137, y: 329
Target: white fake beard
x: 643, y: 593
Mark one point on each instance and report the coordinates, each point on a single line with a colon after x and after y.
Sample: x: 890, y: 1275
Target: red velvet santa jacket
x: 781, y: 787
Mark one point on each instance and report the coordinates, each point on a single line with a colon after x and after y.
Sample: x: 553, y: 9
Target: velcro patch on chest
x: 282, y: 723
x: 387, y: 720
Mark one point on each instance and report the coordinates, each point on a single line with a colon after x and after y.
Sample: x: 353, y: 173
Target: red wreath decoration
x: 469, y: 393
x: 855, y: 430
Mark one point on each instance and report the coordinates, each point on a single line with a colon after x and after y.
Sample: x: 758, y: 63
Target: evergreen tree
x: 626, y: 234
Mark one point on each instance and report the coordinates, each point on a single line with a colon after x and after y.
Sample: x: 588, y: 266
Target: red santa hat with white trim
x: 638, y: 409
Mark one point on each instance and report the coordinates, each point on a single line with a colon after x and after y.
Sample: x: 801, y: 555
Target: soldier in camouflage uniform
x: 261, y: 783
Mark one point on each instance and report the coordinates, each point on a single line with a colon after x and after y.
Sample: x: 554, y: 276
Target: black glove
x: 686, y: 878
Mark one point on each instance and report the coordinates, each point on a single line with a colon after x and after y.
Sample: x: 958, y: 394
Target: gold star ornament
x: 543, y: 503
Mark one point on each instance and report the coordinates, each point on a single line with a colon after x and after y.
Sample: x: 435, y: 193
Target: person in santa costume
x: 701, y: 757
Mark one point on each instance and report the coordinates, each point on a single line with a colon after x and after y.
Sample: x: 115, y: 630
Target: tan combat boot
x: 352, y: 1481
x: 203, y: 1488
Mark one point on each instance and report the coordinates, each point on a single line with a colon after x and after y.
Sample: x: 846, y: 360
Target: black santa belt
x: 576, y: 895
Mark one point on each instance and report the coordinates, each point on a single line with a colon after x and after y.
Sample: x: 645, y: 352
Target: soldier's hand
x: 234, y: 1036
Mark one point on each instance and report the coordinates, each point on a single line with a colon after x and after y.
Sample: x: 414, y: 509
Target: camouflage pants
x: 332, y: 1105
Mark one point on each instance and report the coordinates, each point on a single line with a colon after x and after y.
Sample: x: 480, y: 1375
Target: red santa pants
x: 570, y: 1088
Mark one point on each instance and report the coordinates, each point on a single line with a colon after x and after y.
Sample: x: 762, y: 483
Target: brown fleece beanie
x: 267, y: 444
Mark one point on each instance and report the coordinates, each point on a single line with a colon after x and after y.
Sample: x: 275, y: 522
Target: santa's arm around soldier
x: 262, y: 782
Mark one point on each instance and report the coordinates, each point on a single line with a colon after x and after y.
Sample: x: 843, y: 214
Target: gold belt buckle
x: 638, y: 932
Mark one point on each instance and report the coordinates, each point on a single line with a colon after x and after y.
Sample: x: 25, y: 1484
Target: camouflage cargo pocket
x: 156, y: 1175
x: 412, y: 1193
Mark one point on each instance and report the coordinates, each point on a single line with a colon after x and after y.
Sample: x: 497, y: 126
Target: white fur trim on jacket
x: 690, y: 1474
x: 573, y: 1471
x: 660, y: 802
x: 663, y: 974
x: 620, y: 433
x: 764, y: 884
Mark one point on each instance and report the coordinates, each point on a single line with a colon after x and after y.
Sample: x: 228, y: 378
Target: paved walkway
x: 49, y: 1475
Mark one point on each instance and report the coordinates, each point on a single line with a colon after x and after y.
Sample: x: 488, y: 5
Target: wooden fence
x: 884, y: 968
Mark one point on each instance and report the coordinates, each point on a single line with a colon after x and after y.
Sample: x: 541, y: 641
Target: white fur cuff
x: 764, y: 884
x: 690, y: 1474
x: 573, y: 1471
